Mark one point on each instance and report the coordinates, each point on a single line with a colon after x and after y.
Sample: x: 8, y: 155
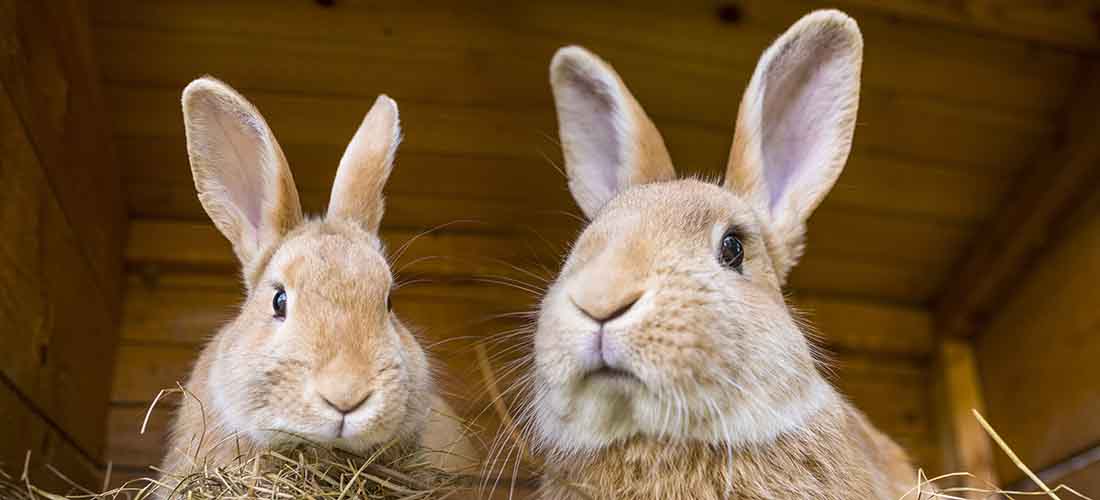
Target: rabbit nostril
x: 346, y: 408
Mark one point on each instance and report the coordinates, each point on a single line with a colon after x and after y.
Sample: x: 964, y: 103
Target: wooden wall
x: 1038, y: 358
x: 61, y: 253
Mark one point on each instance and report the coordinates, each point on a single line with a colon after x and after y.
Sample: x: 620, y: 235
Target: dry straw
x: 303, y: 472
x: 314, y: 472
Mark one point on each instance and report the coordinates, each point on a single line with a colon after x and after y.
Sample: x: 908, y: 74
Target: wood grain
x: 521, y: 37
x: 1064, y: 24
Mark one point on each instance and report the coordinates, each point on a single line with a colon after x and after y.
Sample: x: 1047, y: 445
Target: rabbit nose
x: 346, y: 402
x: 607, y: 309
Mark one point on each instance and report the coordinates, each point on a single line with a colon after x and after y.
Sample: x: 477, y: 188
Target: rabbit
x: 316, y: 353
x: 667, y: 364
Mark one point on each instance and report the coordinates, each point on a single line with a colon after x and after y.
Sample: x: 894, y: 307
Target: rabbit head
x: 316, y: 352
x: 668, y: 319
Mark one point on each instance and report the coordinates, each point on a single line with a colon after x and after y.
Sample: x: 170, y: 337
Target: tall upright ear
x: 608, y: 141
x: 795, y: 127
x: 365, y: 167
x: 240, y: 172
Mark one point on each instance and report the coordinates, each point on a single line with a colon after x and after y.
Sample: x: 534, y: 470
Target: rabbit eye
x: 389, y: 301
x: 279, y: 303
x: 732, y: 253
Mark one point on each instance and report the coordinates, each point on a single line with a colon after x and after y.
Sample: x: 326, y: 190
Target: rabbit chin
x: 360, y: 432
x: 357, y: 435
x: 602, y: 411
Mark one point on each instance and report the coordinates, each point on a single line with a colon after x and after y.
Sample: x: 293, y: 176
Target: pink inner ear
x: 803, y: 92
x: 595, y: 135
x: 245, y: 177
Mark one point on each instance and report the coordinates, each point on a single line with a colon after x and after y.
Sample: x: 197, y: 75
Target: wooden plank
x: 1027, y: 221
x: 1070, y: 25
x: 521, y: 37
x: 56, y: 312
x: 863, y: 327
x: 917, y: 128
x: 873, y: 181
x: 26, y: 431
x: 966, y: 445
x: 50, y: 75
x: 1037, y: 356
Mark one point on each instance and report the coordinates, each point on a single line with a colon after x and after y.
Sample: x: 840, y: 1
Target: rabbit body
x: 837, y: 455
x: 315, y: 354
x: 667, y: 364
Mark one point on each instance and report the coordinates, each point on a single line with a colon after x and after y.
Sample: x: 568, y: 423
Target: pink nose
x: 346, y: 402
x: 607, y: 308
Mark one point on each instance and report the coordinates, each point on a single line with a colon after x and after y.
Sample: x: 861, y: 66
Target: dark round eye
x: 732, y: 253
x: 279, y: 303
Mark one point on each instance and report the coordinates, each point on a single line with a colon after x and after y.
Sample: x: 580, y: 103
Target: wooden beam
x: 966, y: 446
x: 1069, y: 25
x: 1029, y: 218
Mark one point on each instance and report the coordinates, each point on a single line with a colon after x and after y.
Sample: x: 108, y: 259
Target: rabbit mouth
x: 611, y: 373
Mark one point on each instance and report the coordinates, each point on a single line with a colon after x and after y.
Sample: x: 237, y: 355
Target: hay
x: 314, y: 472
x: 302, y: 472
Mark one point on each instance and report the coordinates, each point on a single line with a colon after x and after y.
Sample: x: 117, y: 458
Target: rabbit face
x: 656, y: 326
x: 316, y: 352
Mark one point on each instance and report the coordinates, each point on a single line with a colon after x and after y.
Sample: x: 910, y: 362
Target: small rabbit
x: 666, y: 362
x: 316, y: 352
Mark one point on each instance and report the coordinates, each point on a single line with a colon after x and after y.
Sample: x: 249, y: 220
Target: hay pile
x: 303, y: 472
x: 318, y: 473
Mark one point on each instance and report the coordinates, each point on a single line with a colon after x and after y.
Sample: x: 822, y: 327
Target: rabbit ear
x: 608, y: 141
x: 795, y: 126
x: 365, y: 166
x: 240, y: 172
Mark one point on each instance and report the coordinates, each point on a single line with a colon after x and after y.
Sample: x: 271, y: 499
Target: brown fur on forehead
x: 666, y: 211
x: 337, y: 254
x: 686, y: 206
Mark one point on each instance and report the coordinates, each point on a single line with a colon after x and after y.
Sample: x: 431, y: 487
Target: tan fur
x: 262, y: 380
x: 835, y: 456
x: 662, y: 373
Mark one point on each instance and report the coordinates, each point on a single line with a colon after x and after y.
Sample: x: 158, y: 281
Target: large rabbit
x: 316, y: 352
x: 667, y: 364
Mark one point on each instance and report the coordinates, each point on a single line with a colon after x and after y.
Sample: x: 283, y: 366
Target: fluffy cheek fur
x: 706, y: 371
x: 266, y: 389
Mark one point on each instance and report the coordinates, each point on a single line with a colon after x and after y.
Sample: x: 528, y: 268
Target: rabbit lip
x: 607, y: 372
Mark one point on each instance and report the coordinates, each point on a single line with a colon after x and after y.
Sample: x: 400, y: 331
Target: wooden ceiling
x: 948, y: 118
